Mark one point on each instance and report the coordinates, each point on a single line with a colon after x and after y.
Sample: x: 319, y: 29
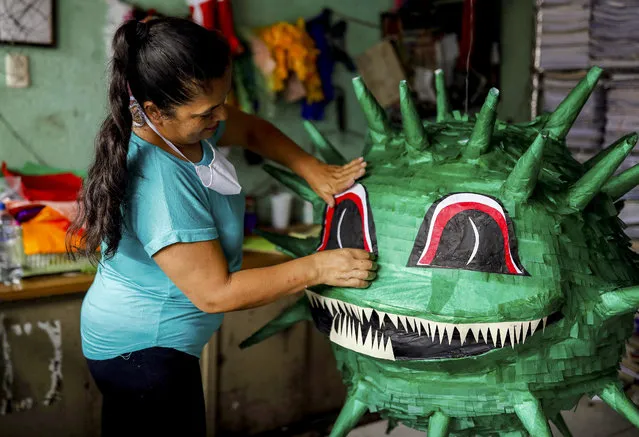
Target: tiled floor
x: 591, y: 419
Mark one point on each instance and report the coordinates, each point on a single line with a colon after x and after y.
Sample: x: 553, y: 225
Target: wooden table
x: 56, y: 285
x: 285, y: 381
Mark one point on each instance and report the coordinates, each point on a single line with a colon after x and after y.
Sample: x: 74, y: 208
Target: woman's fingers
x: 359, y: 254
x: 352, y: 172
x: 350, y: 168
x: 356, y: 283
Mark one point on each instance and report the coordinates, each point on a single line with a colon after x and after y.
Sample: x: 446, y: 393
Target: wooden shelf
x: 46, y: 286
x: 58, y: 285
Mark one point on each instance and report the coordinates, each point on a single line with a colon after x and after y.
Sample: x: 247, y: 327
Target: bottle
x: 11, y: 248
x: 250, y: 216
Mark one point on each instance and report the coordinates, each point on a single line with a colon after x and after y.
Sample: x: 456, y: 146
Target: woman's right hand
x: 352, y: 268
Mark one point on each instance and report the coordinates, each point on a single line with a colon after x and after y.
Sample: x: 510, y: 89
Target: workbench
x: 283, y: 382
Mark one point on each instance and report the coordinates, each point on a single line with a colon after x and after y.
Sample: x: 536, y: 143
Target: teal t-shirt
x: 132, y: 304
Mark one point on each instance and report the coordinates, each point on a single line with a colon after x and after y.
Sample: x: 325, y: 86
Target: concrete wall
x: 58, y: 116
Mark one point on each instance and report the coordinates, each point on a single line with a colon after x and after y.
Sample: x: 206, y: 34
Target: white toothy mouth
x: 396, y: 337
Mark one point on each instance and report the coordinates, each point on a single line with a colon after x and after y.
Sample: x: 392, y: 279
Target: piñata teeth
x: 350, y: 338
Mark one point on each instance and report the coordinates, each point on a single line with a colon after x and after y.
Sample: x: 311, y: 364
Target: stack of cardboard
x: 564, y: 38
x: 614, y: 41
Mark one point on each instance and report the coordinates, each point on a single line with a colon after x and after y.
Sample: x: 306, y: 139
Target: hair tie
x: 141, y: 30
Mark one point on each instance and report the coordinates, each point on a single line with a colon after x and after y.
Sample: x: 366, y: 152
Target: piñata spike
x: 483, y: 131
x: 298, y: 312
x: 561, y: 425
x: 413, y: 127
x: 622, y: 183
x: 586, y: 188
x: 375, y: 114
x: 294, y: 247
x: 603, y: 153
x: 532, y: 417
x: 619, y: 185
x: 522, y: 180
x: 618, y: 401
x: 392, y: 424
x: 324, y: 147
x: 443, y: 107
x: 348, y: 418
x: 438, y: 425
x: 615, y: 303
x: 563, y: 117
x: 292, y: 181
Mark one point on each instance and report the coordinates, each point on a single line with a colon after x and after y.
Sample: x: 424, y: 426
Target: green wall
x: 60, y: 113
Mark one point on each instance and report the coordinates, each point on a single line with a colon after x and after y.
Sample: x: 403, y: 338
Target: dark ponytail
x: 166, y: 61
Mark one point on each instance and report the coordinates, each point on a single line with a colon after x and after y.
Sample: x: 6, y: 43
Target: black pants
x: 151, y: 392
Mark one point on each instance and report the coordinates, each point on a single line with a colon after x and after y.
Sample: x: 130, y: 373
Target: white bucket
x: 281, y: 210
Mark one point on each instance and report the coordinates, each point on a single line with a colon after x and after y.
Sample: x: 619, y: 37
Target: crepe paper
x: 293, y: 247
x: 350, y: 415
x: 522, y: 180
x: 619, y: 185
x: 350, y: 222
x: 617, y: 400
x: 326, y: 150
x: 464, y: 214
x: 506, y: 285
x: 561, y: 425
x: 443, y: 107
x: 293, y: 182
x: 483, y: 130
x: 375, y: 115
x: 298, y: 312
x: 563, y: 117
x: 415, y: 133
x: 604, y: 152
x: 618, y: 302
x: 585, y: 189
x: 438, y: 425
x: 532, y: 416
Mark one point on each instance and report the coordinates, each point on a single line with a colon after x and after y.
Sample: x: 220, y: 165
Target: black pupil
x: 346, y: 227
x: 458, y: 242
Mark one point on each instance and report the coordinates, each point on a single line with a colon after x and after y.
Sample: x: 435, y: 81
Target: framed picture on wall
x: 28, y: 22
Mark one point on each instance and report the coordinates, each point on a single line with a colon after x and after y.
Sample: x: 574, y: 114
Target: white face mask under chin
x: 219, y: 175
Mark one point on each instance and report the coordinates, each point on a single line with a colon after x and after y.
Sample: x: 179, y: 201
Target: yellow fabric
x: 45, y: 233
x: 294, y: 51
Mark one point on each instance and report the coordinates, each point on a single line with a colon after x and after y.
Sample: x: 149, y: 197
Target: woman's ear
x: 154, y: 113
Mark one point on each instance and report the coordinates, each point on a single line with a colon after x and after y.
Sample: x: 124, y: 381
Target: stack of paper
x: 564, y: 38
x: 623, y: 106
x: 630, y: 216
x: 614, y: 37
x: 585, y: 138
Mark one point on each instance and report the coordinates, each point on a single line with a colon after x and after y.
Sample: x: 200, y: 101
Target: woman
x: 167, y: 212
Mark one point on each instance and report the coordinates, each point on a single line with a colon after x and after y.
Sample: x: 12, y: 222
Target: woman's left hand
x: 328, y: 180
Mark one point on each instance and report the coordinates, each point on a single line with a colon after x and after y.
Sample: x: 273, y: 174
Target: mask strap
x: 134, y: 102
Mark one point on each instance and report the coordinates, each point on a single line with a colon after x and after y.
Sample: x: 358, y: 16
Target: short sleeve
x: 168, y: 205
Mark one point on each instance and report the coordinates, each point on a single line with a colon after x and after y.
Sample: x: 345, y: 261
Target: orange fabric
x: 293, y: 51
x: 45, y: 233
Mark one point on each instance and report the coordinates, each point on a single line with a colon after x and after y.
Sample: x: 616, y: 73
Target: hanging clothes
x: 216, y: 15
x: 329, y: 40
x: 294, y: 52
